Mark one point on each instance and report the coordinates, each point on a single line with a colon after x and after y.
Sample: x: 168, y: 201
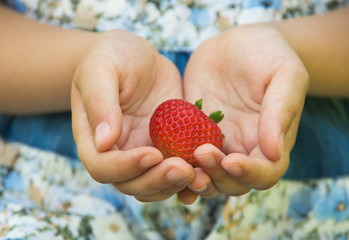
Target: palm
x: 116, y: 88
x: 133, y: 78
x: 241, y: 110
x: 237, y: 83
x: 165, y: 84
x: 254, y: 76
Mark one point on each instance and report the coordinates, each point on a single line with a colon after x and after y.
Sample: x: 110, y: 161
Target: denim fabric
x: 180, y: 59
x: 51, y: 132
x: 321, y: 149
x: 322, y: 144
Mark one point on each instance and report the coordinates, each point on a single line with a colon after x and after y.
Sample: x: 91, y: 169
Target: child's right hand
x: 115, y: 89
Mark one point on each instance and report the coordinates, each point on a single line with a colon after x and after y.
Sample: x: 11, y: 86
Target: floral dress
x: 46, y: 193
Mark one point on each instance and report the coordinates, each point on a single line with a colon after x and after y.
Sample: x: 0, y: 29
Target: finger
x: 210, y: 159
x: 255, y: 172
x: 282, y: 104
x: 118, y: 166
x: 96, y: 80
x: 202, y: 185
x: 110, y: 166
x: 187, y: 196
x: 172, y: 173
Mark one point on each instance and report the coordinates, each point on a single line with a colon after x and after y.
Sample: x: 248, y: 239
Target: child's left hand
x: 254, y: 76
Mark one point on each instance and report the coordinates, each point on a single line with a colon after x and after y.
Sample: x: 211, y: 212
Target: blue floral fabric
x: 46, y: 193
x: 48, y: 196
x: 313, y: 209
x: 171, y: 25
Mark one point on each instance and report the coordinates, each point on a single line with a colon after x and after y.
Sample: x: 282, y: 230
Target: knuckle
x: 239, y: 192
x: 125, y: 189
x: 141, y: 199
x: 290, y: 113
x: 94, y: 170
x: 276, y: 173
x: 97, y: 176
x: 270, y: 182
x: 210, y: 194
x: 221, y: 178
x: 92, y: 105
x: 148, y: 199
x: 152, y: 198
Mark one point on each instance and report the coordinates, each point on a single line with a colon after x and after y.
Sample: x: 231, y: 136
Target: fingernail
x: 176, y: 177
x: 102, y: 131
x: 203, y: 189
x: 235, y: 170
x: 281, y: 144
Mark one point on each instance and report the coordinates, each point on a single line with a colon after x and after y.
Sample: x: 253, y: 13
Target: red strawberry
x: 178, y: 127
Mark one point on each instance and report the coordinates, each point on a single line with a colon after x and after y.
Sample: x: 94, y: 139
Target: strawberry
x: 178, y: 127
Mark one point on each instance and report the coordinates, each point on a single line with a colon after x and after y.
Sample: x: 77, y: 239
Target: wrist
x: 76, y: 44
x: 63, y: 54
x: 320, y: 41
x: 39, y: 62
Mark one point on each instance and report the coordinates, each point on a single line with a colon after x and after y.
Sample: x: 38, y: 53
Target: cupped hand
x: 115, y: 89
x: 253, y: 75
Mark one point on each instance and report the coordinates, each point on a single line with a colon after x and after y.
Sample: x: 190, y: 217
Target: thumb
x: 281, y: 111
x: 97, y: 82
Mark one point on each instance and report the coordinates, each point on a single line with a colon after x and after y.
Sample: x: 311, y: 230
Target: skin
x: 259, y: 127
x: 262, y: 106
x: 111, y: 107
x: 111, y: 104
x: 131, y: 79
x: 32, y: 46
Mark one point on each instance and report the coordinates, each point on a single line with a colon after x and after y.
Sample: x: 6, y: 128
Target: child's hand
x: 115, y: 89
x: 253, y: 75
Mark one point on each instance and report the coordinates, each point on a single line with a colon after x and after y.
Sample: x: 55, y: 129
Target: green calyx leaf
x: 198, y: 104
x: 216, y: 116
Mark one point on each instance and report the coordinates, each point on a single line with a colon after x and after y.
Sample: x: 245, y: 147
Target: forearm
x: 322, y: 43
x: 37, y: 63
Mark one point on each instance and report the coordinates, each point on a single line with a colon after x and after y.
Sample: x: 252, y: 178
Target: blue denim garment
x: 321, y: 149
x: 322, y: 144
x: 51, y: 132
